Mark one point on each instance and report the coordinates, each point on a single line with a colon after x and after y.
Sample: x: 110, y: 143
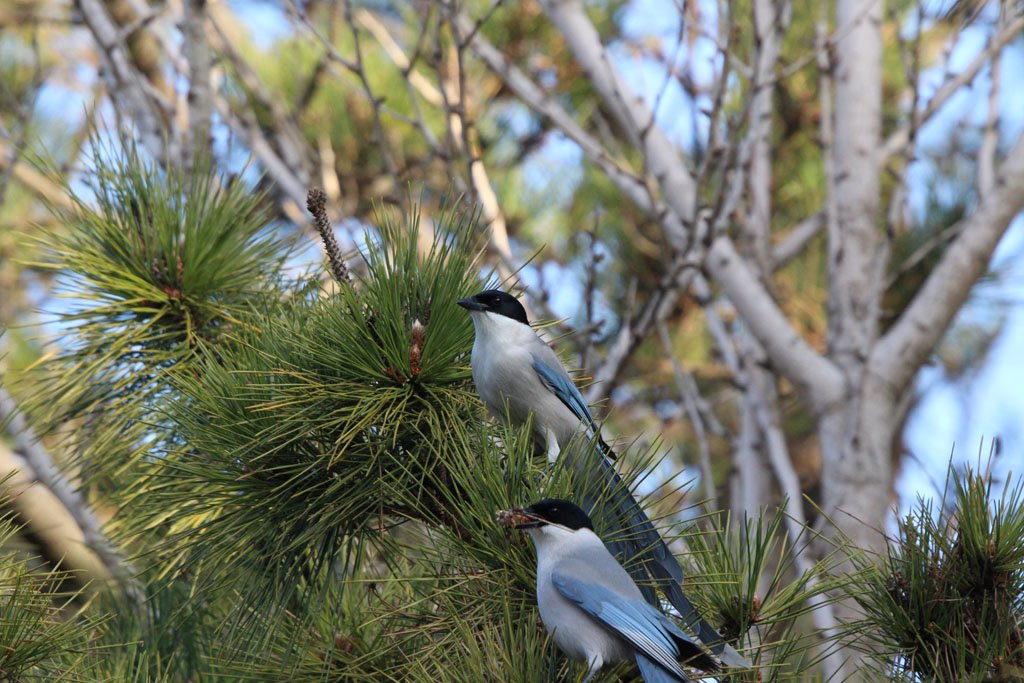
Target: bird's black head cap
x: 561, y: 512
x: 496, y: 301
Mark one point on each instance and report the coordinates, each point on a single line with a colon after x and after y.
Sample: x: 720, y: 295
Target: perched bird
x: 592, y: 608
x: 516, y: 375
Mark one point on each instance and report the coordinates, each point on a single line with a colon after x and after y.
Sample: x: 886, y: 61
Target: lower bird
x: 592, y: 608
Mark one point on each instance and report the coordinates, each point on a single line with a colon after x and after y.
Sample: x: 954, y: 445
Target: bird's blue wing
x: 562, y: 387
x: 649, y: 631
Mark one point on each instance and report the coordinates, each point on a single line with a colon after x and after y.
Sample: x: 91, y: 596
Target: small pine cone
x: 316, y: 202
x: 416, y: 349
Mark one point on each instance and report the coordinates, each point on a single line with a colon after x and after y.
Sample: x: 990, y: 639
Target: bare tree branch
x: 934, y: 241
x: 135, y: 17
x: 22, y: 111
x: 750, y: 491
x: 815, y: 377
x: 415, y: 82
x: 794, y: 241
x: 827, y: 126
x: 47, y: 523
x: 676, y: 182
x: 764, y: 400
x: 990, y: 133
x: 32, y: 179
x: 40, y: 466
x: 907, y: 344
x: 899, y: 142
x: 748, y: 485
x: 770, y: 20
x: 761, y: 424
x: 459, y: 120
x: 289, y: 141
x: 687, y: 390
x: 910, y: 56
x: 375, y: 101
x: 519, y: 83
x: 293, y: 187
x: 853, y: 242
x: 636, y: 328
x: 394, y: 51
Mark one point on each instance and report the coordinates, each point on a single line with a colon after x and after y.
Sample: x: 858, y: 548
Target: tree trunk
x: 856, y: 437
x: 856, y: 449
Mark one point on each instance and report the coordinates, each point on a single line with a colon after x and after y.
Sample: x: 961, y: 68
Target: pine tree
x: 300, y: 469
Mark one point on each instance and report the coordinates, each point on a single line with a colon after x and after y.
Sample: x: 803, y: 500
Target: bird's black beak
x: 531, y: 522
x: 528, y: 520
x: 471, y: 304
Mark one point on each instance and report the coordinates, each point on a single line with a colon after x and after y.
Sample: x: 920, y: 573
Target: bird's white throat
x: 554, y: 541
x: 494, y: 326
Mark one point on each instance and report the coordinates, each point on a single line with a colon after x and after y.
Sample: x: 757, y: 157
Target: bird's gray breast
x: 506, y: 377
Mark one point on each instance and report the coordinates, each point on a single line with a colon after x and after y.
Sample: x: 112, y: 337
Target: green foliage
x: 948, y: 600
x: 329, y: 411
x: 154, y: 252
x: 748, y: 588
x: 406, y: 601
x: 157, y: 264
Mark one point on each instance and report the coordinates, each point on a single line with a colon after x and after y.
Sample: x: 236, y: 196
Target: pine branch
x: 946, y: 598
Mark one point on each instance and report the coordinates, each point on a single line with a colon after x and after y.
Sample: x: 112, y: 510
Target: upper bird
x: 516, y: 375
x: 515, y: 370
x: 594, y: 611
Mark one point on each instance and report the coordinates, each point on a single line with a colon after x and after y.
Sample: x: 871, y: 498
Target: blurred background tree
x: 754, y: 224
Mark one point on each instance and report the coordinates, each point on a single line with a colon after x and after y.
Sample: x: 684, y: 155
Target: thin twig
x: 990, y: 133
x: 636, y: 328
x: 23, y: 116
x: 461, y: 123
x: 244, y: 123
x: 375, y: 101
x: 289, y: 139
x: 150, y: 108
x: 796, y: 238
x: 589, y: 287
x: 770, y: 22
